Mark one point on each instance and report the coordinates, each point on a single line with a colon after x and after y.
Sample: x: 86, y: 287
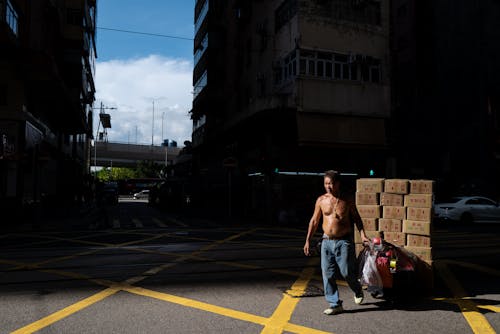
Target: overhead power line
x: 146, y: 33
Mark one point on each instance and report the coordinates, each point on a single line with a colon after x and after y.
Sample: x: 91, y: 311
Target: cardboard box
x: 421, y: 186
x: 415, y: 240
x: 395, y: 238
x: 396, y: 186
x: 424, y: 214
x: 391, y: 199
x: 368, y: 185
x: 394, y: 212
x: 419, y: 200
x: 369, y: 235
x: 367, y: 198
x: 425, y: 253
x: 369, y: 211
x: 370, y: 224
x: 390, y: 225
x: 417, y: 227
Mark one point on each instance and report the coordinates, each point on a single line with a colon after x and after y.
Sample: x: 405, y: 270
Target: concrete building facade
x: 288, y: 86
x: 47, y: 90
x: 446, y: 94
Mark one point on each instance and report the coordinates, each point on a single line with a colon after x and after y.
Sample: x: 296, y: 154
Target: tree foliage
x: 144, y: 169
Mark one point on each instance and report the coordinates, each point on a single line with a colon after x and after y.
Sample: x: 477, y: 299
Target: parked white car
x: 468, y: 209
x: 142, y: 194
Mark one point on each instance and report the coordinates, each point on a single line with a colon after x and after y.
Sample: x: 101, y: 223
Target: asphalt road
x: 151, y: 272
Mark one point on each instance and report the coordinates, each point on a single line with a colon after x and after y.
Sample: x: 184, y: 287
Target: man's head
x: 331, y: 181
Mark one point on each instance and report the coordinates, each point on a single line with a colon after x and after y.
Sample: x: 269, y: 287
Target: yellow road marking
x: 114, y: 287
x: 490, y: 308
x: 284, y: 311
x: 65, y: 312
x: 477, y: 321
x: 227, y: 312
x: 198, y: 305
x: 105, y: 245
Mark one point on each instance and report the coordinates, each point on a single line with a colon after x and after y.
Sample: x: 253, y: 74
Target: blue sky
x: 147, y: 78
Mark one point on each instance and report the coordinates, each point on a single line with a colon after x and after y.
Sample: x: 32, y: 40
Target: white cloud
x: 132, y: 85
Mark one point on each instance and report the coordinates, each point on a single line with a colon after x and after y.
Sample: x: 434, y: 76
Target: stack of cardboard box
x: 399, y: 210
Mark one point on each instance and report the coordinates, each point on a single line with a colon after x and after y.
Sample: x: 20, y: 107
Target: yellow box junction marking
x: 478, y: 322
x: 114, y: 287
x: 281, y: 316
x: 65, y: 312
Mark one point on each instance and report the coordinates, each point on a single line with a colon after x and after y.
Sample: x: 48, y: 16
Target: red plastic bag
x: 384, y: 271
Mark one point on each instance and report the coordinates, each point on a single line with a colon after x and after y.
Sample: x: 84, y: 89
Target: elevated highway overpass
x: 109, y: 154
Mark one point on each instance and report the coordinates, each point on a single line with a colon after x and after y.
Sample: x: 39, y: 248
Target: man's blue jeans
x: 338, y: 256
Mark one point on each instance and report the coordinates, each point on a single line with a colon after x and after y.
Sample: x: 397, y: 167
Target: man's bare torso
x: 336, y: 222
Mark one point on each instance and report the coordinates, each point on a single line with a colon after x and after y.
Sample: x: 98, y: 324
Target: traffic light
x: 372, y: 172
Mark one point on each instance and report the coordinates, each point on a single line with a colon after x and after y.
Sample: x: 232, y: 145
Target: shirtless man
x: 337, y: 248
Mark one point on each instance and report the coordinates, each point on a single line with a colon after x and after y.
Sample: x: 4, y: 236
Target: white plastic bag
x: 370, y: 275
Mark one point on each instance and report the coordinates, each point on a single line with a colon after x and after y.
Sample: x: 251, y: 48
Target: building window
x: 200, y: 84
x: 200, y: 50
x: 11, y: 18
x: 201, y: 16
x: 327, y: 65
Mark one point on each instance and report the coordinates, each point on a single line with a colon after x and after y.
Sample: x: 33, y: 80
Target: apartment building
x: 288, y: 86
x: 46, y: 93
x: 446, y: 93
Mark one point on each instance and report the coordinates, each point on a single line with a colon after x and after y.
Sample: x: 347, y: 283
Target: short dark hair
x: 333, y: 175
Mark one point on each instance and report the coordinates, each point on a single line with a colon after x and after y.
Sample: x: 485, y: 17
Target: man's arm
x: 313, y: 226
x: 358, y: 221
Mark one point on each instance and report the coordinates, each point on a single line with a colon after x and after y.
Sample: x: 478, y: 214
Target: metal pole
x: 95, y: 149
x: 96, y: 139
x: 162, y: 116
x: 153, y: 124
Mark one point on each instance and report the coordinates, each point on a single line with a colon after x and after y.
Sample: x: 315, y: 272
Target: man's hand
x: 306, y: 248
x: 364, y: 238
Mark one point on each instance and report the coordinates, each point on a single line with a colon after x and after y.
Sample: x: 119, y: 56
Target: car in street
x: 173, y: 194
x: 468, y: 209
x: 142, y: 194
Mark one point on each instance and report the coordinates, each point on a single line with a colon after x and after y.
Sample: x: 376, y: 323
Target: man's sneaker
x: 358, y: 299
x: 333, y: 310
